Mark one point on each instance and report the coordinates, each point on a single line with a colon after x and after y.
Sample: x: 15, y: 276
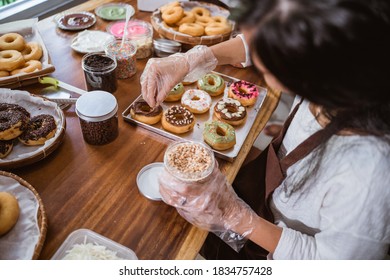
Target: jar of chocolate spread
x: 99, y: 72
x: 98, y: 115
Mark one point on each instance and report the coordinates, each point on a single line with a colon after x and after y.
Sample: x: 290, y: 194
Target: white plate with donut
x: 22, y: 154
x: 24, y: 238
x: 196, y: 134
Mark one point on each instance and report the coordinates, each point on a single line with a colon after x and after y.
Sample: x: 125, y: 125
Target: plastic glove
x: 162, y: 74
x: 211, y: 205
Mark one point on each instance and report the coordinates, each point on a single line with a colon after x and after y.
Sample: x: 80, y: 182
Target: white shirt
x: 344, y: 212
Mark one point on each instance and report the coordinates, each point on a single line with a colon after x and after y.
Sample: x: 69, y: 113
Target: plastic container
x: 189, y: 161
x: 114, y: 11
x: 125, y: 57
x: 99, y: 72
x: 165, y: 47
x: 85, y: 236
x: 98, y: 115
x: 141, y: 32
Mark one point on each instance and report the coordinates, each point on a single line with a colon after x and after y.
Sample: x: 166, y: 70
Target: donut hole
x: 232, y: 109
x: 211, y: 81
x: 7, y: 56
x: 195, y: 98
x: 145, y: 108
x: 220, y: 131
x: 9, y: 40
x: 242, y: 91
x: 178, y: 117
x: 27, y: 50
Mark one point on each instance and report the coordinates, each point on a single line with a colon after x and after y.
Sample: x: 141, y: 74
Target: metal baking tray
x: 196, y: 134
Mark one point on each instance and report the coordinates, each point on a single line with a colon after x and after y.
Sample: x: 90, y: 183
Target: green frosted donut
x: 175, y: 93
x: 219, y: 135
x: 212, y: 84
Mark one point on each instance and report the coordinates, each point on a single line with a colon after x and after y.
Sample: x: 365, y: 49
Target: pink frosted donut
x: 244, y: 91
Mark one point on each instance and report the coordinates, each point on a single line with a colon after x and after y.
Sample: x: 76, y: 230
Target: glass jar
x: 189, y: 161
x: 98, y: 116
x: 125, y: 57
x: 141, y: 32
x: 99, y: 72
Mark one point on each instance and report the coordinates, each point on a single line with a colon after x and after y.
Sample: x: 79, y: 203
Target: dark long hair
x: 334, y: 53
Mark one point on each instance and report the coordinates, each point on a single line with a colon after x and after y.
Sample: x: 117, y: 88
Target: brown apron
x: 255, y: 183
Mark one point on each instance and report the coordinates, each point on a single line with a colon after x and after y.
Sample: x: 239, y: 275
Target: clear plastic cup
x: 125, y: 57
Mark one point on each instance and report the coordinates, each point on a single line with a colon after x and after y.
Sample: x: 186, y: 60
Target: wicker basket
x: 186, y: 40
x: 41, y: 216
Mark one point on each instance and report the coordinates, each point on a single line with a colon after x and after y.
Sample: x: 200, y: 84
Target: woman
x: 325, y: 177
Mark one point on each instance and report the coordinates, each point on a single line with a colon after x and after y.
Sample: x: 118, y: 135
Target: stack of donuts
x: 17, y: 56
x: 196, y: 22
x: 17, y: 123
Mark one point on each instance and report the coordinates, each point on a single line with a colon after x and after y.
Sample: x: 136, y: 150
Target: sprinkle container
x: 125, y: 57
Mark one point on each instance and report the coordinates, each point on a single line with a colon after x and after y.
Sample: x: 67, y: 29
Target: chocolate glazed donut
x: 12, y: 124
x: 142, y: 112
x: 5, y: 148
x: 39, y: 129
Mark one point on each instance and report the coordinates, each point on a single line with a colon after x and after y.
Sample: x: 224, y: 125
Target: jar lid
x: 147, y: 180
x: 167, y: 45
x: 96, y: 106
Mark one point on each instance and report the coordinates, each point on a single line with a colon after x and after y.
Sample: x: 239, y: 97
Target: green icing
x: 113, y: 12
x: 178, y: 89
x: 210, y: 132
x: 204, y: 83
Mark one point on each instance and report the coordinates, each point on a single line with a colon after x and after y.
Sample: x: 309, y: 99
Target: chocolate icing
x: 11, y: 118
x: 39, y: 127
x: 16, y: 107
x: 179, y: 116
x: 5, y: 146
x: 142, y: 108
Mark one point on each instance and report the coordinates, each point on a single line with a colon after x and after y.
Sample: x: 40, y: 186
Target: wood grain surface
x: 94, y: 187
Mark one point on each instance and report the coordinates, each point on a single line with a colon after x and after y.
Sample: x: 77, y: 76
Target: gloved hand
x: 162, y: 74
x: 211, y: 205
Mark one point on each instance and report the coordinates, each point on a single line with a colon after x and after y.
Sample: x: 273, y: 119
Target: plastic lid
x: 96, y: 106
x: 167, y: 45
x: 147, y: 180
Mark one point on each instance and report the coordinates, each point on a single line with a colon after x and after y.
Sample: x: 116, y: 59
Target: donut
x: 192, y: 29
x: 29, y: 67
x: 220, y: 19
x: 213, y: 84
x: 5, y: 148
x: 9, y: 212
x: 173, y: 15
x: 173, y: 27
x: 142, y: 112
x: 219, y: 135
x: 217, y: 28
x: 176, y: 93
x: 169, y: 5
x: 12, y: 41
x: 12, y: 124
x: 10, y: 60
x: 14, y: 107
x: 32, y: 51
x: 189, y: 17
x: 197, y: 101
x: 4, y: 73
x: 204, y: 21
x: 244, y: 92
x: 230, y: 111
x: 201, y: 12
x: 39, y: 129
x: 178, y: 120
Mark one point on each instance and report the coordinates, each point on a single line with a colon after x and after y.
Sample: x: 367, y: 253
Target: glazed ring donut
x: 4, y: 73
x: 29, y: 66
x: 213, y: 84
x: 178, y: 120
x: 142, y: 112
x: 219, y: 135
x: 169, y: 5
x: 12, y: 41
x: 39, y: 129
x: 197, y: 101
x: 5, y: 148
x: 173, y: 15
x: 201, y: 12
x: 14, y: 107
x: 216, y: 28
x: 230, y: 111
x: 10, y: 60
x: 204, y: 21
x: 32, y: 51
x: 192, y: 29
x: 189, y: 17
x: 12, y: 124
x: 9, y: 212
x: 176, y: 93
x: 220, y: 19
x: 244, y: 92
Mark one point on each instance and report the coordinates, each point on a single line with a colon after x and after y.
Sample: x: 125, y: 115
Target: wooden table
x: 94, y: 187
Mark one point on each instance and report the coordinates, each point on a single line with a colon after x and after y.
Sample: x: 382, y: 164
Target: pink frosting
x: 117, y: 29
x: 244, y: 89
